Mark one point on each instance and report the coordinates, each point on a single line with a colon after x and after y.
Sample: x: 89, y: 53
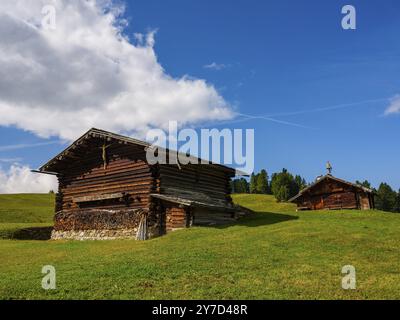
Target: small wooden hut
x: 329, y: 192
x: 107, y: 190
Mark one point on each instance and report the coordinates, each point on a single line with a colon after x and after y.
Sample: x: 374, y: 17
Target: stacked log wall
x: 331, y: 195
x: 125, y: 172
x: 176, y: 218
x: 342, y: 200
x: 366, y: 201
x: 201, y: 179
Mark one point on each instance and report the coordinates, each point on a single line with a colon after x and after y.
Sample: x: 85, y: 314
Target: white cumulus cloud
x: 19, y: 179
x: 87, y: 73
x: 394, y: 106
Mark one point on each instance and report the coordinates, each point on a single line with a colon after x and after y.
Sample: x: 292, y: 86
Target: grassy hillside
x: 276, y: 253
x: 21, y: 211
x: 26, y: 208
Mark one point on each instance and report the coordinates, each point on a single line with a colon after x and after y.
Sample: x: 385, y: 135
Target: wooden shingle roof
x: 109, y: 136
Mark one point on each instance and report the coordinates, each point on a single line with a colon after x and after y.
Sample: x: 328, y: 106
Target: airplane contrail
x: 271, y: 117
x: 268, y: 118
x: 26, y: 145
x: 334, y: 107
x: 9, y: 160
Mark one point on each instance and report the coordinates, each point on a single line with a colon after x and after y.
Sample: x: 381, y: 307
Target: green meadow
x: 276, y: 253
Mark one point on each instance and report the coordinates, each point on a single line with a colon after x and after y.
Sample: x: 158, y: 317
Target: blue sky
x: 286, y: 60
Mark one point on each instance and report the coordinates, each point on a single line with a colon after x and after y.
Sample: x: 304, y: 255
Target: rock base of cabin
x: 102, y: 224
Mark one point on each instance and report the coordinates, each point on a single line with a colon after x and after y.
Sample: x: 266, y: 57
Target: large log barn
x: 108, y: 190
x: 329, y: 192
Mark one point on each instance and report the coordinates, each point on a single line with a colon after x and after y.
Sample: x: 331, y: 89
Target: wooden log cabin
x: 107, y: 190
x: 330, y: 193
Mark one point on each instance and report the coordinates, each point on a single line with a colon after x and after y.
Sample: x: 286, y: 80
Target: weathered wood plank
x: 99, y: 197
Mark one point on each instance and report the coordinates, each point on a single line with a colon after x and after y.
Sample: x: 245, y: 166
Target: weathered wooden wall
x: 333, y: 195
x: 339, y: 200
x: 200, y: 180
x: 126, y: 172
x: 176, y: 217
x: 366, y: 201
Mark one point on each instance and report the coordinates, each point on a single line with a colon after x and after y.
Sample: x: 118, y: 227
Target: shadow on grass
x: 265, y: 218
x: 255, y: 219
x: 33, y: 233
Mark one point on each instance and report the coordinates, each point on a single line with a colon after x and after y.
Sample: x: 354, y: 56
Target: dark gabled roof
x: 109, y: 136
x: 89, y: 134
x: 329, y: 176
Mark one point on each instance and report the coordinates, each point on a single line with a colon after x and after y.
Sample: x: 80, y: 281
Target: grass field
x: 275, y: 254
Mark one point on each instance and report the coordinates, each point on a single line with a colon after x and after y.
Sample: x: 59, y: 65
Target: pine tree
x: 365, y: 184
x: 240, y: 186
x: 283, y: 185
x: 282, y: 194
x: 245, y: 185
x: 262, y: 182
x: 386, y: 198
x: 300, y: 183
x: 397, y: 203
x: 253, y: 183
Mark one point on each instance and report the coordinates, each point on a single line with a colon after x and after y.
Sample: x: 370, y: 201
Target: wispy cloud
x: 27, y: 145
x: 215, y: 66
x: 10, y: 160
x: 394, y: 106
x: 329, y: 108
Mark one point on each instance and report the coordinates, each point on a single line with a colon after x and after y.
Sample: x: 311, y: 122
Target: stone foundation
x: 93, y: 234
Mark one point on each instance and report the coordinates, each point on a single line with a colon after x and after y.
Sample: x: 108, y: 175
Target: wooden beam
x: 99, y: 197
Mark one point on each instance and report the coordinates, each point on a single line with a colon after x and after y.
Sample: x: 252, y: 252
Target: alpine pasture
x: 276, y: 253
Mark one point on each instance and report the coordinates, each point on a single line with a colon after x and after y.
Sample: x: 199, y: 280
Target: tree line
x: 386, y: 198
x: 285, y: 185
